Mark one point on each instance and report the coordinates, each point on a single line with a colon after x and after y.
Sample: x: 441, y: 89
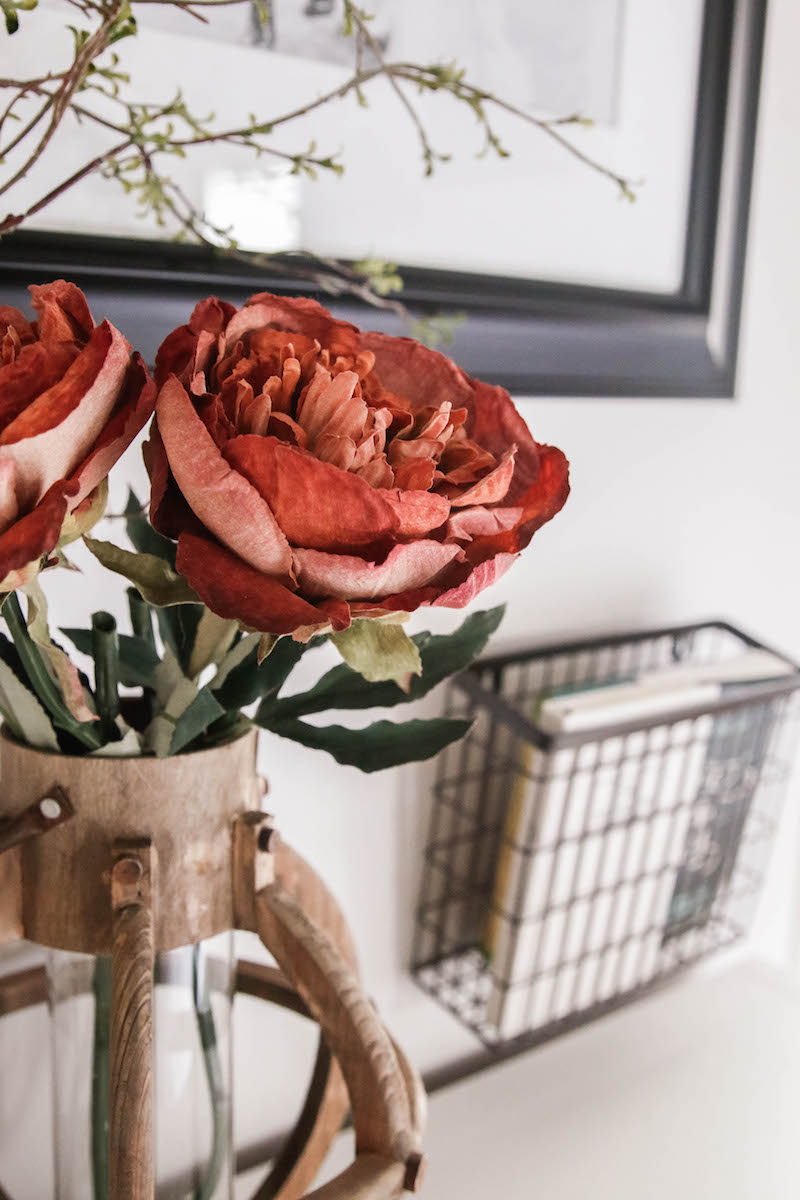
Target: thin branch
x: 92, y: 47
x: 13, y: 221
x: 364, y: 37
x: 147, y: 131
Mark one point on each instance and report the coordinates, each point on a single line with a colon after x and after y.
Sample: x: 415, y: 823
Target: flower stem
x: 142, y: 625
x: 141, y: 617
x: 105, y: 649
x: 219, y: 1106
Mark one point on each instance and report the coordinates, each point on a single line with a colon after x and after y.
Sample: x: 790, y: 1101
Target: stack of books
x: 616, y: 846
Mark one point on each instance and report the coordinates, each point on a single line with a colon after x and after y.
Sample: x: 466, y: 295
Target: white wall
x: 680, y: 509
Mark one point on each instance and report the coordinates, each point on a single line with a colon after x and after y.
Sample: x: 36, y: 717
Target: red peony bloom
x: 313, y: 473
x: 72, y: 399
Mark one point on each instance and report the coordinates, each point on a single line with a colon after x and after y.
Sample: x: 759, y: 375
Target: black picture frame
x: 534, y: 338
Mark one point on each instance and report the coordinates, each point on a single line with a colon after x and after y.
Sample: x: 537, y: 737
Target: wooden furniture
x: 130, y: 857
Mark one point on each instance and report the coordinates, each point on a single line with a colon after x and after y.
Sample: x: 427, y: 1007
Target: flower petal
x: 470, y: 523
x: 222, y: 498
x: 418, y: 512
x: 8, y: 496
x: 479, y: 578
x: 234, y: 590
x: 13, y: 318
x: 348, y: 577
x: 417, y: 474
x: 134, y: 409
x: 316, y: 505
x: 175, y: 355
x: 36, y: 533
x: 330, y: 403
x: 62, y: 311
x: 545, y: 496
x: 34, y: 371
x: 492, y: 488
x: 412, y: 370
x: 61, y: 426
x: 296, y: 314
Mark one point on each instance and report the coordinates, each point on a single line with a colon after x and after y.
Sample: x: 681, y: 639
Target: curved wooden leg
x: 131, y: 1158
x: 326, y: 1104
x: 385, y: 1096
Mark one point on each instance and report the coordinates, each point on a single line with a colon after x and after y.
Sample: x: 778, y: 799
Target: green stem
x: 105, y: 649
x: 141, y: 617
x: 41, y: 680
x: 101, y: 1077
x: 142, y: 626
x: 216, y: 1087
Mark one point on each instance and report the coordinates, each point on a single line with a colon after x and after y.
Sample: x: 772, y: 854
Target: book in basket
x: 592, y: 867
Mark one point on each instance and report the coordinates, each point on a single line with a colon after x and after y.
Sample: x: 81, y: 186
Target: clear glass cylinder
x: 192, y: 1060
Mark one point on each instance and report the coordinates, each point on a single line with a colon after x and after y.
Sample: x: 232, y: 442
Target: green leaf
x: 22, y: 717
x: 143, y: 537
x: 247, y: 681
x: 203, y: 711
x: 41, y: 680
x: 381, y: 745
x: 23, y: 713
x: 379, y: 652
x: 227, y: 729
x: 212, y: 641
x: 11, y: 8
x: 441, y: 656
x: 186, y: 712
x: 65, y: 672
x: 157, y: 582
x: 137, y: 658
x: 184, y: 621
x: 237, y: 654
x: 266, y: 644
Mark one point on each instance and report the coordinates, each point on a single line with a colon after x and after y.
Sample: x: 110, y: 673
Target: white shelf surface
x: 693, y: 1093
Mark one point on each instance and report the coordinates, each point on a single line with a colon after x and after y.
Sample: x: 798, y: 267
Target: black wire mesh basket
x: 567, y: 873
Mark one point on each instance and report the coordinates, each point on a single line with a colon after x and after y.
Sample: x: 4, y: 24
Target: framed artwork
x: 562, y: 287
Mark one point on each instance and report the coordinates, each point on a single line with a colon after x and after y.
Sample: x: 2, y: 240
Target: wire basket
x: 567, y: 874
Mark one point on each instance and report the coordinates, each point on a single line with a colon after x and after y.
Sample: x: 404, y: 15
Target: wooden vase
x: 158, y: 854
x: 184, y: 805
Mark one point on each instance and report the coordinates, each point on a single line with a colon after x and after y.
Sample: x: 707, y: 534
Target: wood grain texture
x: 10, y: 896
x: 130, y: 1148
x: 185, y: 804
x: 23, y: 989
x: 44, y: 814
x: 378, y: 1097
x: 253, y: 864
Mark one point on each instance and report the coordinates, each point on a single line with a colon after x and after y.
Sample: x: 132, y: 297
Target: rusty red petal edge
x: 234, y: 590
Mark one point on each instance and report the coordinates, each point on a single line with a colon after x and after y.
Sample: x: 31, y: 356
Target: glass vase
x: 192, y: 1060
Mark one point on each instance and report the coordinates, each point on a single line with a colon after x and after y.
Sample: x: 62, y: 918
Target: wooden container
x: 185, y: 805
x: 161, y: 853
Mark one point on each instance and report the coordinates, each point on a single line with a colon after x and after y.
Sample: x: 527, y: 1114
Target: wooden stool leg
x: 131, y: 1158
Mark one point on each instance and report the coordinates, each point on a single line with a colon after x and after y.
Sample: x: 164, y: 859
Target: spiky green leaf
x: 157, y: 582
x: 440, y: 655
x: 379, y: 652
x: 381, y: 745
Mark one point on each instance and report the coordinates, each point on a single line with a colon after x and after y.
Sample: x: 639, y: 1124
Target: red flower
x: 72, y: 398
x: 313, y: 473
